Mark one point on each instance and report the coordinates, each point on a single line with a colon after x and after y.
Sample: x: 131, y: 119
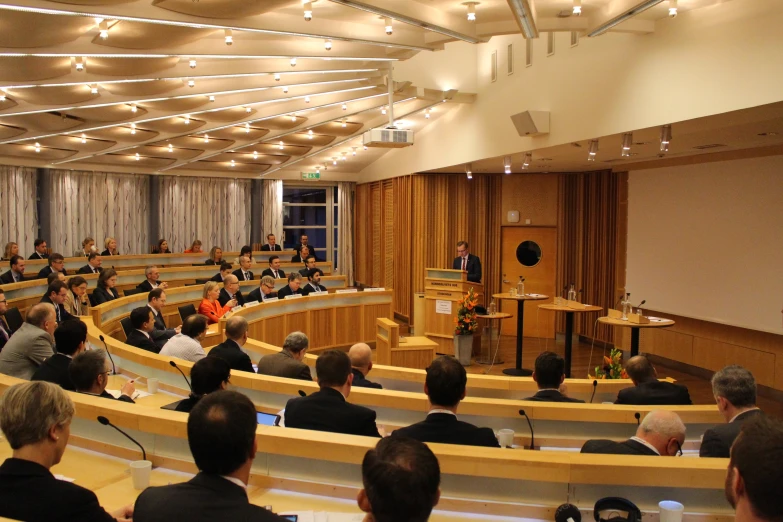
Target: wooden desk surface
x: 526, y: 297
x: 156, y: 400
x: 562, y: 308
x: 655, y: 322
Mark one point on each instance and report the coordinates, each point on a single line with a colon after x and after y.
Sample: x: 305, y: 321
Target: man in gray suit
x: 32, y: 344
x: 288, y: 362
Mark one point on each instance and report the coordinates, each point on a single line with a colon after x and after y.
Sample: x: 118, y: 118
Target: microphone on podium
x: 302, y: 393
x: 103, y: 420
x: 640, y: 304
x: 529, y: 425
x: 172, y: 363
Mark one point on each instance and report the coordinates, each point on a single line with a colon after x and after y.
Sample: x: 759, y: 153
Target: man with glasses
x: 56, y: 264
x: 660, y: 433
x: 90, y: 372
x: 467, y: 262
x: 265, y: 290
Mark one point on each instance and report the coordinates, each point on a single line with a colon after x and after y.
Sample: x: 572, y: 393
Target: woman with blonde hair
x: 195, y: 248
x: 210, y: 306
x: 88, y: 247
x: 11, y: 250
x: 215, y: 256
x: 111, y: 247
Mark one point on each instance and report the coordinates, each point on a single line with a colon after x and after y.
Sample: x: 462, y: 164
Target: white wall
x: 452, y: 68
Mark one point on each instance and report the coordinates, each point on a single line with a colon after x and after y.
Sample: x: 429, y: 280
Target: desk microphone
x: 568, y: 513
x: 637, y: 416
x: 618, y: 301
x: 595, y: 387
x: 113, y: 368
x: 183, y: 374
x: 529, y: 425
x: 640, y: 304
x: 103, y: 420
x: 302, y: 393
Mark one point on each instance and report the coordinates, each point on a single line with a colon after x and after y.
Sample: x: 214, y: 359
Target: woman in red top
x: 210, y: 306
x: 195, y: 248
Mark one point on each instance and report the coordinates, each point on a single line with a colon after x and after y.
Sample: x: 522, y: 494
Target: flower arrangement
x: 612, y: 367
x: 465, y: 323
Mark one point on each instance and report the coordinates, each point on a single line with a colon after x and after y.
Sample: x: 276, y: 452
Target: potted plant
x: 612, y: 367
x: 465, y: 324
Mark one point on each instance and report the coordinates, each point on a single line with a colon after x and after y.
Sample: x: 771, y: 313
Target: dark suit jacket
x: 223, y: 298
x: 87, y: 269
x: 8, y: 277
x: 610, y: 447
x: 107, y: 253
x: 266, y: 248
x: 139, y: 340
x: 230, y: 352
x: 286, y: 290
x: 654, y: 393
x: 146, y: 286
x: 62, y: 313
x: 283, y: 364
x: 327, y: 410
x: 4, y: 337
x: 55, y: 369
x: 255, y: 295
x: 45, y: 271
x: 203, y: 498
x: 298, y: 257
x: 268, y: 272
x: 717, y: 441
x: 216, y: 278
x: 161, y: 334
x: 361, y: 381
x: 444, y: 428
x: 36, y: 255
x: 28, y: 491
x: 551, y: 396
x: 308, y: 289
x: 240, y: 276
x: 101, y: 295
x: 473, y: 267
x: 123, y: 398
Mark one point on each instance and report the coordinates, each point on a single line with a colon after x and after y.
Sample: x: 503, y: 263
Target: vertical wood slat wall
x: 410, y: 223
x: 591, y: 244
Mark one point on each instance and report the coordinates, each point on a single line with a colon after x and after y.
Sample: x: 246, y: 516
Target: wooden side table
x: 518, y: 371
x: 499, y: 316
x: 569, y: 313
x: 655, y: 322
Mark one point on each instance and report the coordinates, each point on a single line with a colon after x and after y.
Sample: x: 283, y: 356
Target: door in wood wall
x: 539, y: 279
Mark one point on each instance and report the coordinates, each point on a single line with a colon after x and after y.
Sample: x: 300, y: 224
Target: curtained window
x: 18, y: 212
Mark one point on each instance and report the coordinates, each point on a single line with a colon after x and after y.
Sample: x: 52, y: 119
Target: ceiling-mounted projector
x: 388, y: 138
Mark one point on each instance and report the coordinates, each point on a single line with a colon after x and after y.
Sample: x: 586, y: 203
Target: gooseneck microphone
x: 618, y: 301
x: 172, y: 363
x: 595, y: 387
x: 113, y: 368
x: 302, y: 394
x: 529, y: 425
x: 637, y: 416
x: 103, y: 420
x: 568, y: 513
x: 640, y: 304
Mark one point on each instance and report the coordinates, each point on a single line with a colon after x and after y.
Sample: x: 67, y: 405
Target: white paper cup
x: 152, y: 385
x: 506, y: 438
x: 140, y: 473
x: 670, y: 511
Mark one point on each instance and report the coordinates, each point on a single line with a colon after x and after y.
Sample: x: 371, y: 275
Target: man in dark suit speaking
x: 660, y: 433
x: 648, y: 390
x: 467, y: 262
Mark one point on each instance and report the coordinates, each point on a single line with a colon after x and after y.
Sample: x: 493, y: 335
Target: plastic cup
x: 670, y: 511
x: 506, y: 438
x: 152, y: 385
x: 140, y: 473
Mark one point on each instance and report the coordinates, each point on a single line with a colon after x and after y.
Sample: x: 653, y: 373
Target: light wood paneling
x: 371, y: 313
x: 297, y: 322
x: 349, y: 318
x: 275, y: 330
x: 535, y: 196
x: 322, y: 321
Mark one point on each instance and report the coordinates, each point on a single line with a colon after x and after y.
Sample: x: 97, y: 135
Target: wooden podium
x: 443, y: 288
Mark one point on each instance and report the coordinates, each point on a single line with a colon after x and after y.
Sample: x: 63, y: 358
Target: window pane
x: 334, y: 239
x: 334, y: 223
x: 303, y: 195
x: 334, y: 261
x: 304, y: 216
x: 315, y: 237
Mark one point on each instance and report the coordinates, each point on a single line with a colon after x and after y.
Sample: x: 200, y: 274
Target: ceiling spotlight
x: 191, y: 83
x: 469, y: 170
x: 343, y: 157
x: 345, y: 107
x: 365, y: 147
x: 133, y: 128
x: 79, y: 62
x: 328, y: 45
x: 308, y: 10
x: 248, y: 110
x: 310, y: 134
x: 318, y: 170
x: 192, y: 63
x: 233, y: 164
x: 387, y: 22
x: 134, y: 109
x: 247, y: 128
x: 94, y: 89
x: 171, y: 147
x: 280, y: 145
x: 206, y: 138
x: 307, y: 99
x: 666, y: 137
x: 527, y: 161
x: 593, y: 150
x: 471, y: 11
x: 507, y: 165
x: 277, y: 77
x: 334, y: 160
x: 383, y: 110
x: 37, y: 147
x: 285, y: 89
x: 229, y: 37
x: 354, y: 151
x: 255, y: 155
x: 293, y: 62
x: 211, y: 98
x: 577, y: 8
x: 293, y: 117
x: 345, y: 123
x: 84, y: 138
x: 104, y: 29
x: 672, y: 8
x: 2, y: 96
x: 187, y: 119
x: 627, y: 142
x: 138, y: 157
x: 427, y: 114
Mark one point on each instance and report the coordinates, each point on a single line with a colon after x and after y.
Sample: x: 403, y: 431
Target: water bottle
x: 626, y: 306
x: 492, y: 309
x: 571, y: 293
x: 521, y: 287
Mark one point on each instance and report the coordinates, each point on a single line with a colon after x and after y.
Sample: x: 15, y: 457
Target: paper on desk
x: 138, y: 394
x: 323, y: 516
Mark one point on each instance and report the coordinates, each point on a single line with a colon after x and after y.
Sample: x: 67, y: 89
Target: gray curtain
x: 18, y: 212
x: 272, y: 209
x: 345, y: 198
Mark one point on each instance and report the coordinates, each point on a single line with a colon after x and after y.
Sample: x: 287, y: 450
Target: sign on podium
x: 443, y: 287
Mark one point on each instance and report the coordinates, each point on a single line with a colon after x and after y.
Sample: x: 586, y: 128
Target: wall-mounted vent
x: 494, y: 66
x: 510, y: 59
x: 710, y: 146
x: 550, y: 44
x: 574, y: 38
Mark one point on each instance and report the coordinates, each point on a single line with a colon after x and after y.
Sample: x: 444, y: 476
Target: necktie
x: 276, y: 276
x: 246, y: 277
x: 3, y: 333
x: 464, y: 264
x: 57, y: 309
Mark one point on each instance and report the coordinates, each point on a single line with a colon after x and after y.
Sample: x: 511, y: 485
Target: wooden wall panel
x: 274, y: 330
x: 322, y: 321
x: 349, y: 319
x: 535, y: 196
x: 297, y: 322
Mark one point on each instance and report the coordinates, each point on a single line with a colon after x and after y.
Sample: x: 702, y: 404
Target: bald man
x: 661, y: 433
x: 647, y: 389
x: 361, y: 364
x: 230, y: 291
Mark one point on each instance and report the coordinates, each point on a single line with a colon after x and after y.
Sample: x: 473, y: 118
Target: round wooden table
x: 569, y: 313
x: 491, y: 317
x: 655, y: 322
x: 518, y: 371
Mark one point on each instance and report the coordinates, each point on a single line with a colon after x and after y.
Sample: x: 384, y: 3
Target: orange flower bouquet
x: 466, y: 323
x: 612, y: 367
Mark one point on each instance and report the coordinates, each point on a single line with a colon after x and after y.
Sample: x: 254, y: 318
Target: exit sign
x: 311, y: 175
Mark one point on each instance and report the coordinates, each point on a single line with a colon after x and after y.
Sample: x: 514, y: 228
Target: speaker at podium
x: 442, y: 289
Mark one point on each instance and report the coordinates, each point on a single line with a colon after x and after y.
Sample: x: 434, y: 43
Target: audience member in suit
x: 93, y: 265
x: 162, y: 248
x: 231, y: 349
x: 289, y: 361
x: 208, y: 375
x: 243, y: 273
x: 215, y: 256
x: 445, y: 387
x: 35, y: 418
x: 271, y: 244
x: 661, y: 432
x: 143, y: 322
x: 88, y: 246
x: 110, y: 247
x: 756, y: 471
x: 549, y: 374
x: 467, y: 262
x: 274, y: 268
x: 56, y: 264
x: 303, y: 242
x: 90, y: 372
x: 76, y: 301
x: 55, y: 296
x: 734, y: 389
x: 230, y: 291
x: 400, y: 481
x: 16, y: 273
x: 209, y: 304
x: 160, y: 333
x: 265, y: 290
x: 40, y: 250
x: 5, y: 330
x: 309, y: 264
x: 225, y: 271
x: 327, y: 409
x: 70, y: 339
x: 152, y: 280
x: 195, y: 247
x: 187, y: 344
x: 361, y: 364
x: 648, y: 390
x: 11, y: 250
x: 292, y: 288
x: 222, y: 439
x: 303, y: 254
x: 314, y: 282
x: 105, y: 290
x: 31, y: 344
x: 55, y: 276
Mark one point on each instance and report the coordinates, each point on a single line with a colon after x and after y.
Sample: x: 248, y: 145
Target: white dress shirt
x: 183, y: 347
